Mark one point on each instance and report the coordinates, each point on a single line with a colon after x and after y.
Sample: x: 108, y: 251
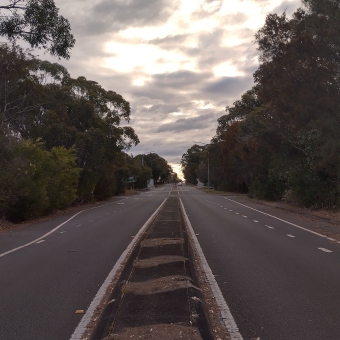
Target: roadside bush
x: 64, y: 175
x: 44, y: 180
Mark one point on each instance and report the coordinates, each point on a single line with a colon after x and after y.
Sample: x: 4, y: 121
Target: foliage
x: 38, y: 22
x: 44, y: 180
x: 148, y: 166
x: 281, y: 139
x: 190, y: 162
x: 69, y: 131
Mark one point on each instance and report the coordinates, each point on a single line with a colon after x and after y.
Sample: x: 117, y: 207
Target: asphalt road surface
x: 280, y: 281
x: 44, y: 283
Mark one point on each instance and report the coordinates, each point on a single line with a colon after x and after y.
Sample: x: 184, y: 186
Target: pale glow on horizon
x: 178, y: 169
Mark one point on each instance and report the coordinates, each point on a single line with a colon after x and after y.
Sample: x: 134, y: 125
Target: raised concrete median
x: 161, y: 293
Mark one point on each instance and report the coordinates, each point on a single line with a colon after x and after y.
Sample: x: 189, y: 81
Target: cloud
x: 231, y: 86
x: 115, y: 15
x: 177, y: 62
x: 186, y: 124
x: 287, y: 6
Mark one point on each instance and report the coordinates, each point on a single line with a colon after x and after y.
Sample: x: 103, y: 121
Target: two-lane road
x: 43, y: 283
x: 280, y: 281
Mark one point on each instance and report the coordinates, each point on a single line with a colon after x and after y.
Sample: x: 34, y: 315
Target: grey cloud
x: 237, y: 18
x: 95, y: 22
x: 169, y: 87
x: 114, y: 15
x: 229, y: 86
x: 202, y: 12
x: 170, y: 41
x: 185, y: 124
x: 180, y: 79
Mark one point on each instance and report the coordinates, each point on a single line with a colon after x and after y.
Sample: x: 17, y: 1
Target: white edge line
x: 87, y: 318
x: 53, y: 230
x: 226, y: 315
x: 294, y: 225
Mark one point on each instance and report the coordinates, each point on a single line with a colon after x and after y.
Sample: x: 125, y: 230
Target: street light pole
x: 143, y: 154
x: 208, y: 164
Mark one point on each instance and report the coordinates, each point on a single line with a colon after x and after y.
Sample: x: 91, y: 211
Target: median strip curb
x: 86, y: 321
x: 226, y: 317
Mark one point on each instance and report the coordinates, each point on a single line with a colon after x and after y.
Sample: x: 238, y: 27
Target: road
x: 44, y: 283
x: 279, y: 281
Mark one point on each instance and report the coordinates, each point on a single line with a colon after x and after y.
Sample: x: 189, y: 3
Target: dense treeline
x: 281, y: 139
x: 62, y: 139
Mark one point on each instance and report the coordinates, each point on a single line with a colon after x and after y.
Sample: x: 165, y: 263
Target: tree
x: 61, y: 139
x: 38, y: 22
x: 190, y: 162
x: 159, y: 167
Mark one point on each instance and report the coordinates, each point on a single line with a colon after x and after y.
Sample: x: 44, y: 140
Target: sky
x: 178, y: 62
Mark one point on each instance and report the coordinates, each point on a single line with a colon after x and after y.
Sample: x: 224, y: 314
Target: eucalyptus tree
x: 39, y: 23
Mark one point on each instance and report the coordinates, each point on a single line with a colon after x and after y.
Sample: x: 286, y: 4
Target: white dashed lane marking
x: 325, y: 250
x: 270, y: 227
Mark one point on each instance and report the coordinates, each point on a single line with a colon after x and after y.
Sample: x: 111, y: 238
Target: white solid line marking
x: 56, y: 228
x: 41, y: 241
x: 325, y: 250
x: 87, y: 318
x: 256, y: 221
x: 268, y: 226
x: 292, y: 236
x: 294, y: 225
x: 226, y: 315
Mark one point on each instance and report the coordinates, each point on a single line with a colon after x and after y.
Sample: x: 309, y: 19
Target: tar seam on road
x: 294, y: 225
x: 53, y: 230
x: 226, y: 315
x: 86, y: 319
